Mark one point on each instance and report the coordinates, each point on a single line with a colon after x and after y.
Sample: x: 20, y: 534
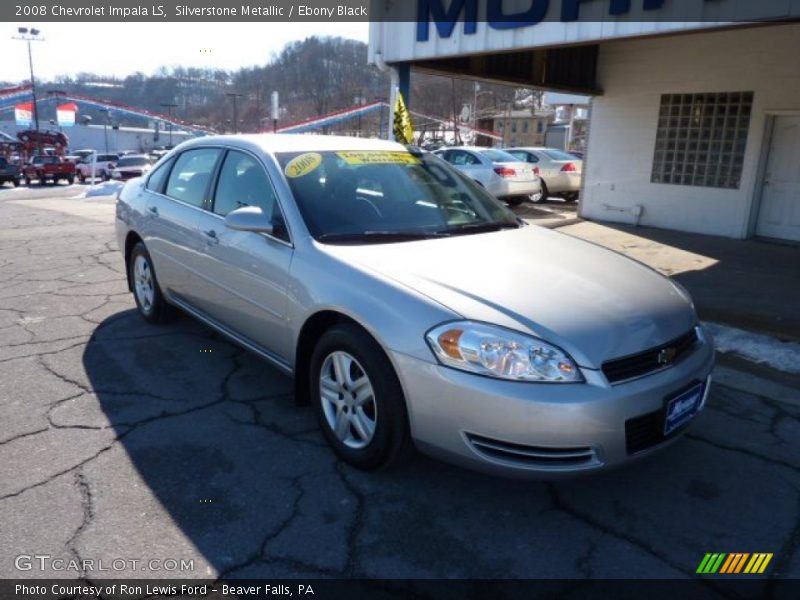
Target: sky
x: 123, y: 48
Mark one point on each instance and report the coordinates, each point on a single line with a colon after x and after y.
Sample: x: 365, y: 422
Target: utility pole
x: 169, y: 106
x: 234, y: 96
x: 105, y: 126
x: 31, y: 35
x: 275, y: 111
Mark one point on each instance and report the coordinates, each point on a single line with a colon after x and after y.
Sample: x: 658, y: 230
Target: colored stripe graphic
x: 734, y: 563
x: 711, y: 562
x: 758, y: 563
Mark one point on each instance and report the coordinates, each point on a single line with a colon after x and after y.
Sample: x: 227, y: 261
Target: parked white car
x: 502, y: 174
x: 559, y: 171
x: 102, y: 169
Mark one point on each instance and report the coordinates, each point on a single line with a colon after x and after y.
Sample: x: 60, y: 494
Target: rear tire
x: 514, y: 200
x: 70, y: 180
x: 545, y: 192
x: 358, y: 400
x: 146, y: 291
x: 15, y: 182
x: 81, y: 177
x: 27, y: 181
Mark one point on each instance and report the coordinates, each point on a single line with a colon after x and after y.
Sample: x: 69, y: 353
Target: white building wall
x: 634, y: 74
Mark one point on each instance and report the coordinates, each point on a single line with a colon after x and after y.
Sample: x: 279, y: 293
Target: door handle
x: 153, y: 210
x: 211, y: 236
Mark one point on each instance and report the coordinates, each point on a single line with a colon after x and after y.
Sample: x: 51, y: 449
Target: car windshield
x: 499, y: 156
x: 133, y: 161
x: 379, y: 196
x: 558, y: 154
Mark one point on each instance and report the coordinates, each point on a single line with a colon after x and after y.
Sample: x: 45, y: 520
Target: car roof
x: 288, y: 142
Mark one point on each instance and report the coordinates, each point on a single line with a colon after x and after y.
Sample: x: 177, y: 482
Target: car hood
x: 592, y: 302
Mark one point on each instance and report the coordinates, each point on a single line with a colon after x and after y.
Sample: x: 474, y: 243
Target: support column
x: 404, y: 82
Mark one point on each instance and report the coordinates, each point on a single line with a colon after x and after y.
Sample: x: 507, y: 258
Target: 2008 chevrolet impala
x: 414, y: 309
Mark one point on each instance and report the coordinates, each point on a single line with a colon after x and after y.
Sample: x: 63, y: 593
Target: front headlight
x: 502, y: 353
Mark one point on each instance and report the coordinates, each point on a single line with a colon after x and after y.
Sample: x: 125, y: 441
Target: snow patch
x: 756, y: 347
x: 108, y: 188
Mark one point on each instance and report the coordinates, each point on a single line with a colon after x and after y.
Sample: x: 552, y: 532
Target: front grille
x: 636, y: 365
x: 130, y: 174
x: 534, y: 456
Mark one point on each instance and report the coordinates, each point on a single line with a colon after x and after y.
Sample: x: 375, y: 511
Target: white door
x: 779, y: 213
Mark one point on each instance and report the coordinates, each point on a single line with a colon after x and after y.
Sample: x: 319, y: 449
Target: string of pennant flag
x: 20, y: 99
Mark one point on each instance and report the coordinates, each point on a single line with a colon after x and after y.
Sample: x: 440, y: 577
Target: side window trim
x: 212, y: 196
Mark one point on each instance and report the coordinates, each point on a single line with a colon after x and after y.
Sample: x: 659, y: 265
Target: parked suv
x: 105, y: 165
x: 9, y: 173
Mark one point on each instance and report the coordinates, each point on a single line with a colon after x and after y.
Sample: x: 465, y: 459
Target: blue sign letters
x: 446, y: 19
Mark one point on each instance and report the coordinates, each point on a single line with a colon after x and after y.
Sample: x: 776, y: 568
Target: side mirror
x: 249, y: 218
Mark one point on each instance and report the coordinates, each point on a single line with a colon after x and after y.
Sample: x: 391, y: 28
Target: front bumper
x: 536, y: 430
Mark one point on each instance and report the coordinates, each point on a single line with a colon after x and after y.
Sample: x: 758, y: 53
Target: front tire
x: 146, y: 291
x: 357, y: 399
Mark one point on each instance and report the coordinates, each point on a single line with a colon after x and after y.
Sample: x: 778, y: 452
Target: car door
x: 244, y: 275
x: 178, y: 191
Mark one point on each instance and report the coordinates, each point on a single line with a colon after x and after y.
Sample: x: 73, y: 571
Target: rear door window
x: 191, y: 175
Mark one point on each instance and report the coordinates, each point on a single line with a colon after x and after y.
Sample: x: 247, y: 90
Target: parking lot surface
x: 121, y: 439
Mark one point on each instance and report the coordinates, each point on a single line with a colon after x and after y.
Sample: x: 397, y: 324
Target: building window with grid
x: 701, y: 139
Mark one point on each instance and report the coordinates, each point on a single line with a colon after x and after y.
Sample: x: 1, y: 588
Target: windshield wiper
x: 481, y: 227
x: 381, y: 236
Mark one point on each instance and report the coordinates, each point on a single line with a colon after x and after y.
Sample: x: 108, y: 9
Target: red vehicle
x: 43, y: 138
x: 46, y: 168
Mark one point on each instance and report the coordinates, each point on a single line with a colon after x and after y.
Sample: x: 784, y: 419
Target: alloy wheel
x: 348, y: 400
x: 143, y: 283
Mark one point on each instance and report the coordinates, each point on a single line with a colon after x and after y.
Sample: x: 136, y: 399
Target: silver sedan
x: 412, y: 308
x: 503, y: 175
x: 559, y: 171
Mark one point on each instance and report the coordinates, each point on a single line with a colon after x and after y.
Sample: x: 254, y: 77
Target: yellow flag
x: 403, y: 128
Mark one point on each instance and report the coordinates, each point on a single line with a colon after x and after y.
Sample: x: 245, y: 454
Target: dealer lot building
x: 695, y: 115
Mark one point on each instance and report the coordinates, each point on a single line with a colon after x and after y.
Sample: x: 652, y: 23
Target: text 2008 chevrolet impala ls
x: 414, y: 309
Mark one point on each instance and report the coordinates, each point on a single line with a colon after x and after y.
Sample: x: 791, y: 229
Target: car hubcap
x: 348, y: 400
x: 143, y: 282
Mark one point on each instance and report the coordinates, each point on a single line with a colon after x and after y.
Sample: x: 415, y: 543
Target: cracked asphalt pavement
x: 119, y: 439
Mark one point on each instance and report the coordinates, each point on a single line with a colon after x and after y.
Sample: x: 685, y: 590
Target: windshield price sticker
x: 378, y: 158
x: 303, y: 164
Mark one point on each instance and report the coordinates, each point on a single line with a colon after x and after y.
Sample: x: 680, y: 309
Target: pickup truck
x: 9, y: 172
x: 48, y: 168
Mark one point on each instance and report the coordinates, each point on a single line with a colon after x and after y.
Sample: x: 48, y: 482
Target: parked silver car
x: 559, y: 171
x: 503, y: 175
x: 413, y: 308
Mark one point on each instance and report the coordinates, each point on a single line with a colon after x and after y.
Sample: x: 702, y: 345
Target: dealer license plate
x: 682, y: 408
